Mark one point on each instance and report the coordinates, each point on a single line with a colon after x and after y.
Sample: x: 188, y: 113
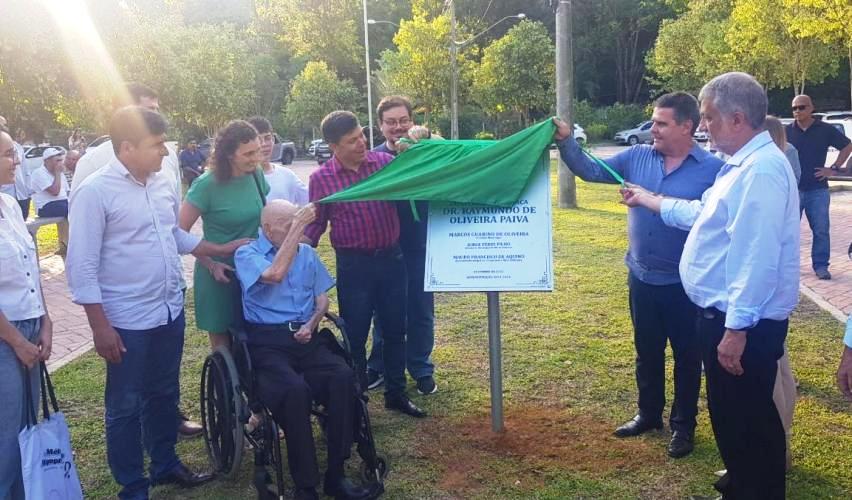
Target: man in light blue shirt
x: 284, y: 288
x: 740, y: 266
x: 661, y: 312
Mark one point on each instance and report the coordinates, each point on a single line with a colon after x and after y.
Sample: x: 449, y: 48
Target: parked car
x: 701, y: 136
x: 641, y: 133
x: 32, y: 157
x: 845, y: 126
x: 322, y: 152
x: 97, y: 142
x: 282, y: 152
x: 312, y: 149
x: 580, y: 134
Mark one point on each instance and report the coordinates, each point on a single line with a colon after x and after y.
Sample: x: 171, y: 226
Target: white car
x: 701, y: 136
x: 845, y: 126
x: 580, y: 134
x: 640, y: 134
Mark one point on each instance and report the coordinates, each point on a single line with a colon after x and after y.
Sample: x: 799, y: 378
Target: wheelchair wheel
x: 275, y: 459
x: 221, y: 412
x: 377, y: 474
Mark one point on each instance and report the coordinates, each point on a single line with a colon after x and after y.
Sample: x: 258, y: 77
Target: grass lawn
x: 568, y: 368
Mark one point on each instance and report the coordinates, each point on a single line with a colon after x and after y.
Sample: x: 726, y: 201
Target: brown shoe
x: 189, y: 429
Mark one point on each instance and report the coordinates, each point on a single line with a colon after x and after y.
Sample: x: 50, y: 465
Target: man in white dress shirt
x: 124, y: 268
x: 20, y: 189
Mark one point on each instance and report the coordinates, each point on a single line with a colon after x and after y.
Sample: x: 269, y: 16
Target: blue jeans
x: 368, y: 285
x: 12, y: 409
x: 815, y: 204
x: 420, y: 325
x: 141, y: 400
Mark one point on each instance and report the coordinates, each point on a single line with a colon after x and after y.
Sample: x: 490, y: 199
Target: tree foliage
x: 525, y: 90
x: 316, y: 92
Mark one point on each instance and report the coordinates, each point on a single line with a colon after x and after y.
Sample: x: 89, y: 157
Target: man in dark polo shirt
x: 371, y: 274
x: 812, y: 138
x: 395, y: 120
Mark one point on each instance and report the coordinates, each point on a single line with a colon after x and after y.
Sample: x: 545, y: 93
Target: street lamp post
x: 454, y: 50
x: 367, y: 65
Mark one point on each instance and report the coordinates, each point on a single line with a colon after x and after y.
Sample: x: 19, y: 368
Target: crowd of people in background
x: 713, y: 269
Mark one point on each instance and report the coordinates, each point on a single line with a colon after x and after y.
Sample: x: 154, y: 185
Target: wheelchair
x: 228, y: 398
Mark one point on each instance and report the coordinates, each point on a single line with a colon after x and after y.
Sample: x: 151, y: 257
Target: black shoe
x: 374, y: 379
x: 184, y: 477
x: 638, y: 425
x: 402, y: 404
x: 344, y: 489
x: 681, y: 444
x: 426, y: 385
x: 305, y: 494
x: 823, y: 274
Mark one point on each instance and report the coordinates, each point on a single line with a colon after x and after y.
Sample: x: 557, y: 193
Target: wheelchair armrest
x: 337, y: 320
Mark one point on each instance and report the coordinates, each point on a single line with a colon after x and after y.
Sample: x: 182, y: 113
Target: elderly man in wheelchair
x: 284, y: 288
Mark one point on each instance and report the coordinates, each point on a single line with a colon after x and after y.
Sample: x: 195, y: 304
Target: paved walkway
x: 73, y: 338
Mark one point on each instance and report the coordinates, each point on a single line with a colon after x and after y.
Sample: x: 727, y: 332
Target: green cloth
x: 229, y: 210
x: 481, y: 172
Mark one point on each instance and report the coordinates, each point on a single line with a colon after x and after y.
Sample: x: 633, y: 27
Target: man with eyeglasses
x: 812, y: 138
x: 20, y: 189
x: 395, y: 121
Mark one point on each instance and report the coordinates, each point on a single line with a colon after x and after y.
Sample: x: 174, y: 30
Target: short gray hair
x: 732, y: 92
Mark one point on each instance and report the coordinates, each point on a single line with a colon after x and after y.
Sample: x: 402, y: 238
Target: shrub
x: 484, y: 135
x: 597, y: 131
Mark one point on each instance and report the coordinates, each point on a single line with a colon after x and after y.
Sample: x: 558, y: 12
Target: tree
x: 763, y: 45
x: 420, y: 67
x: 517, y: 73
x: 827, y: 20
x: 320, y: 30
x: 692, y: 49
x: 316, y: 92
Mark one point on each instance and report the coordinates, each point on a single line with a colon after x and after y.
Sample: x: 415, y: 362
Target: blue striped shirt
x: 654, y: 249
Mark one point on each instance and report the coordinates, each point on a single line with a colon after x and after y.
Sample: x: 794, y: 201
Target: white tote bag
x: 47, y: 462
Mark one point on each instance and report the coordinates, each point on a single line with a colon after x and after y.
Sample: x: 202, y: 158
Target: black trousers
x: 368, y: 285
x: 25, y: 207
x: 289, y: 376
x: 745, y: 421
x: 661, y: 314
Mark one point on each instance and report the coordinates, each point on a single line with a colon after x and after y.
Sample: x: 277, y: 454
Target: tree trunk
x: 849, y: 48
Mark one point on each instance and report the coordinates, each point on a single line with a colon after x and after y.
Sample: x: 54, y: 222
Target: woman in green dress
x: 228, y: 198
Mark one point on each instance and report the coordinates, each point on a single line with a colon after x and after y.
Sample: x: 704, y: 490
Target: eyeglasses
x: 402, y: 122
x: 800, y: 108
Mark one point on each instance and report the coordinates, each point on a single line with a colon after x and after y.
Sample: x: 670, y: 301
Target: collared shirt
x: 43, y: 179
x: 293, y: 299
x: 124, y: 245
x: 20, y: 189
x: 742, y: 253
x: 191, y: 159
x: 813, y: 145
x: 361, y: 225
x: 286, y: 185
x: 20, y: 287
x: 847, y: 339
x: 102, y: 155
x: 412, y: 233
x: 654, y: 249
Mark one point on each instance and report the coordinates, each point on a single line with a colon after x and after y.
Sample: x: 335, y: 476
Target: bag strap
x: 47, y: 390
x: 30, y: 418
x: 259, y: 189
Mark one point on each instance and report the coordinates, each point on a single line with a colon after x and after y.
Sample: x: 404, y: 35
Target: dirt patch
x: 536, y: 438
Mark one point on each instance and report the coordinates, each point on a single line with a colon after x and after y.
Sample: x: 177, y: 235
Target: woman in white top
x: 26, y: 331
x: 283, y: 183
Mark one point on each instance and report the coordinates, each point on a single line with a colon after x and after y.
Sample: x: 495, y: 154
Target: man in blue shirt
x: 395, y: 120
x: 284, y: 288
x: 675, y: 166
x: 812, y: 138
x: 191, y: 162
x: 740, y: 266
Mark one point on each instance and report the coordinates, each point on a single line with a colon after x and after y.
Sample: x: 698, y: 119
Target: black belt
x: 370, y: 252
x: 291, y: 326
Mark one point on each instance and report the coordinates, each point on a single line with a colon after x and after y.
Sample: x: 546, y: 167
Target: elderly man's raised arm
x: 276, y: 272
